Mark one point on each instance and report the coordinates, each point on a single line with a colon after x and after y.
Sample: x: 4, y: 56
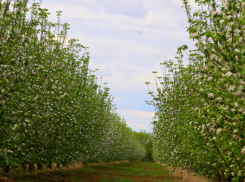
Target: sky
x: 127, y: 40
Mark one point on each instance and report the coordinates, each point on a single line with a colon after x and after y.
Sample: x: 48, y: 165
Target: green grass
x: 133, y: 171
x: 130, y: 171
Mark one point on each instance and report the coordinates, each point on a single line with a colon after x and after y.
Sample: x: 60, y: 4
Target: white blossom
x: 226, y: 5
x: 219, y: 99
x: 231, y: 88
x: 228, y: 73
x: 237, y: 50
x: 213, y: 56
x: 210, y: 95
x: 15, y: 126
x: 218, y: 131
x: 194, y: 34
x: 243, y: 150
x: 228, y: 17
x: 213, y: 13
x: 243, y: 3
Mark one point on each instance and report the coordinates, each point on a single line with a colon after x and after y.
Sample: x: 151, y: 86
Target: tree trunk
x: 24, y: 166
x: 6, y: 169
x: 31, y: 167
x: 65, y: 164
x: 241, y: 179
x: 39, y: 166
x: 49, y: 165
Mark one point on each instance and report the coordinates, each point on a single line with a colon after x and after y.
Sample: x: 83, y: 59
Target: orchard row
x: 51, y: 107
x: 200, y: 121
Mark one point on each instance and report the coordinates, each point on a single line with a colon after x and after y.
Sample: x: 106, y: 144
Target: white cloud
x: 125, y: 68
x: 126, y: 7
x: 117, y: 46
x: 116, y: 99
x: 137, y: 127
x: 153, y: 16
x: 139, y: 120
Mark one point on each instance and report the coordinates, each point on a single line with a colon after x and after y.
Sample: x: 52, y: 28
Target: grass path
x: 116, y: 172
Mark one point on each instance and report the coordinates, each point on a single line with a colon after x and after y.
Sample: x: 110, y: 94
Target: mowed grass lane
x: 113, y: 172
x: 130, y: 171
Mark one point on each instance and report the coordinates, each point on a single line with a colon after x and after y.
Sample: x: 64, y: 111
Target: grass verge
x: 129, y: 171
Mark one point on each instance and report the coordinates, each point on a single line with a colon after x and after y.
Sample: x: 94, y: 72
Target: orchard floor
x: 112, y: 172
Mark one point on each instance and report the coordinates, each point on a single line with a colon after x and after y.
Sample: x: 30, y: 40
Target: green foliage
x: 145, y: 139
x: 51, y: 108
x: 200, y: 110
x: 93, y: 160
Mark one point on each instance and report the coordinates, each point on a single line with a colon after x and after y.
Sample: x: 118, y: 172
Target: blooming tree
x: 200, y: 108
x: 51, y: 109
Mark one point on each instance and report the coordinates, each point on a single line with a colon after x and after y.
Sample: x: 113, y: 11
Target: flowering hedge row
x: 51, y: 109
x: 201, y: 108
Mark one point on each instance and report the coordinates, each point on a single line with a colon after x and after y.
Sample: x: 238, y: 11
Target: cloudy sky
x: 127, y: 40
